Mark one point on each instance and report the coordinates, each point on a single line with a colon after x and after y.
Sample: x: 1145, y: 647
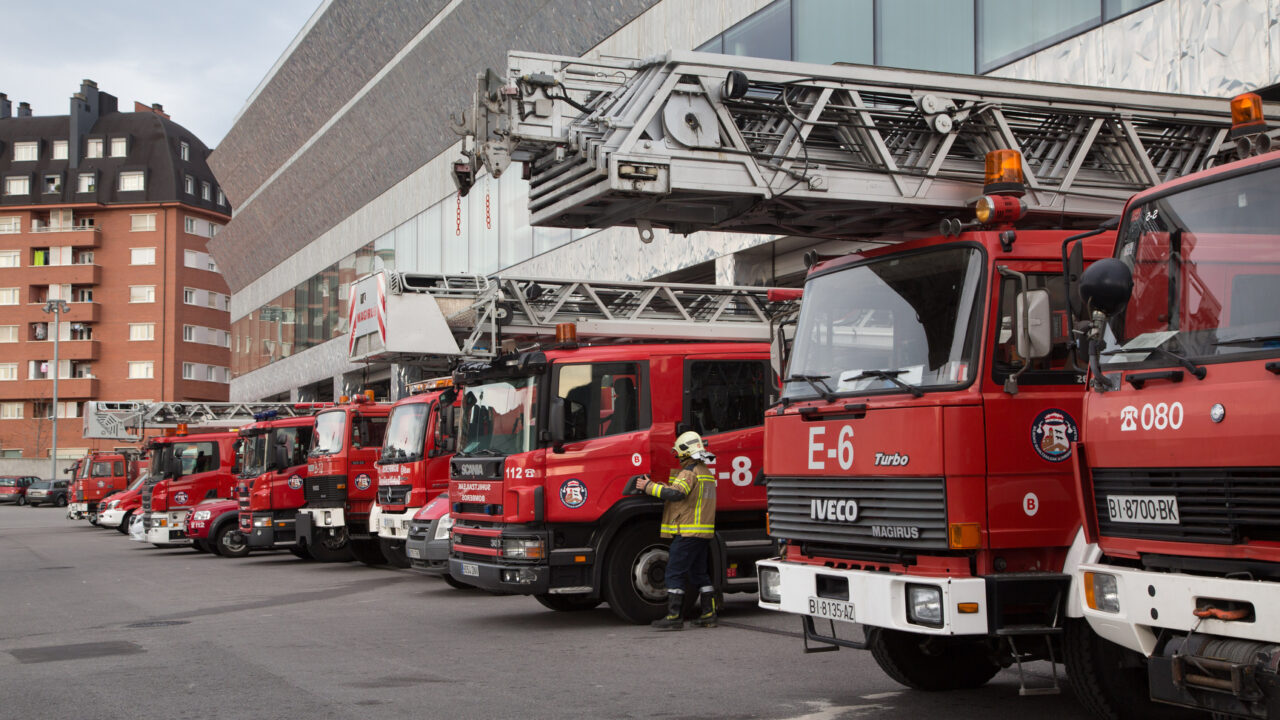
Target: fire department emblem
x: 573, y: 493
x: 102, y: 483
x: 363, y: 481
x: 1052, y: 434
x: 295, y: 482
x: 180, y: 498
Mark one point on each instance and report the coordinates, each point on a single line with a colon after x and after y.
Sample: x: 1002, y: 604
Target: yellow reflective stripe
x: 707, y: 478
x: 683, y: 485
x: 654, y: 489
x: 697, y: 506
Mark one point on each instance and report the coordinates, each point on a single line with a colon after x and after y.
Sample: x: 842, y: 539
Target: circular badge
x: 1052, y: 433
x: 295, y: 482
x: 573, y: 493
x: 363, y: 481
x: 1030, y: 504
x: 102, y: 483
x: 636, y: 459
x: 180, y: 498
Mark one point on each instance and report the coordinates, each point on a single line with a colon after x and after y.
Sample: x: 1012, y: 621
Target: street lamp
x: 57, y: 307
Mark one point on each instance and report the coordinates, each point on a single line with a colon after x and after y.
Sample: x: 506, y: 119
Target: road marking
x: 826, y: 710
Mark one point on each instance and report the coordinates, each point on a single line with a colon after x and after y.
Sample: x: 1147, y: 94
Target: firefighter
x: 689, y: 519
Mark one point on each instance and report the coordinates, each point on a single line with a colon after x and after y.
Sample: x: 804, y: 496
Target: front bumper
x: 494, y: 577
x: 391, y: 525
x: 111, y: 518
x: 877, y: 599
x: 427, y: 554
x: 77, y: 511
x: 272, y: 529
x: 166, y: 528
x: 38, y: 497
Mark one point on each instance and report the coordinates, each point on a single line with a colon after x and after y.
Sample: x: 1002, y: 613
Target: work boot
x: 708, y: 617
x: 672, y: 621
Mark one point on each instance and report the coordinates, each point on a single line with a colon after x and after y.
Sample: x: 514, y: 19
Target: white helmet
x: 689, y: 445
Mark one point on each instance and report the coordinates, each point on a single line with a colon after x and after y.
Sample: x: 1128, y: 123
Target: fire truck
x: 341, y: 481
x: 414, y: 466
x: 98, y: 475
x: 270, y: 481
x: 919, y: 460
x: 1177, y: 467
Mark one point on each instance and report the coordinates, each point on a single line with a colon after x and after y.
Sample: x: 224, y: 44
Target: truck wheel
x: 567, y: 603
x: 1110, y: 681
x: 393, y: 551
x: 199, y: 545
x: 331, y: 551
x: 226, y: 544
x: 368, y: 552
x: 124, y: 523
x: 923, y: 662
x: 93, y: 519
x: 300, y: 552
x: 634, y: 581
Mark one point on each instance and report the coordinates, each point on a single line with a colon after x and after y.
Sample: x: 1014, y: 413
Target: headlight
x: 1102, y: 592
x: 522, y: 548
x: 161, y: 522
x: 202, y: 515
x: 262, y: 522
x: 443, y: 526
x: 924, y: 605
x: 770, y: 584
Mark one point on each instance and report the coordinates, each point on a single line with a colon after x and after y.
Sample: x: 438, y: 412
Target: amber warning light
x: 1004, y: 173
x: 1246, y: 115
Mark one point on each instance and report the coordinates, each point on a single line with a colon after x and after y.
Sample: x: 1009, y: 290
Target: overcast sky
x: 200, y: 60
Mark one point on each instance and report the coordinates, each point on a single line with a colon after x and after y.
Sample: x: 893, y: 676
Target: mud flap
x: 302, y: 528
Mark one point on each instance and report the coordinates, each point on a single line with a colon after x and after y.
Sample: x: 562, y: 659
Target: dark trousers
x: 687, y: 565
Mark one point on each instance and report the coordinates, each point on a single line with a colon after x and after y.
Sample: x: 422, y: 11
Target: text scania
x: 838, y: 510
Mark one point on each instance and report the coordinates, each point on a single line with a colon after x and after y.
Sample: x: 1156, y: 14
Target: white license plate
x: 831, y: 609
x: 1149, y: 509
x: 388, y: 523
x: 414, y: 553
x: 471, y: 569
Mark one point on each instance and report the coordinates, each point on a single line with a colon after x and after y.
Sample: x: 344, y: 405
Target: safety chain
x: 488, y: 220
x: 458, y: 230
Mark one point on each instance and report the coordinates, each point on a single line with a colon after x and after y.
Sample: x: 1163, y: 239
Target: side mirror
x: 555, y: 422
x: 1075, y: 268
x: 1033, y: 320
x: 1106, y: 286
x: 173, y: 469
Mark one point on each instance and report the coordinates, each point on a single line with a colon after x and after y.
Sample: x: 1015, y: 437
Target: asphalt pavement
x: 94, y: 625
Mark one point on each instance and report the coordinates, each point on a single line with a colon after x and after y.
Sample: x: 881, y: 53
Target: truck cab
x: 185, y: 469
x: 414, y: 466
x: 98, y: 475
x: 270, y: 488
x: 341, y: 483
x: 549, y: 442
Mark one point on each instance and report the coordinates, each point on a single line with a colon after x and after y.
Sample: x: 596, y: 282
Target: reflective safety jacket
x: 691, y: 502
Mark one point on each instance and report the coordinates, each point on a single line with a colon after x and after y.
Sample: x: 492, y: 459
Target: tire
x: 93, y: 519
x: 300, y: 552
x: 331, y: 551
x: 567, y: 603
x: 368, y: 552
x: 1110, y: 681
x: 394, y: 552
x: 22, y: 500
x: 924, y: 662
x: 634, y: 581
x: 224, y: 543
x: 61, y: 501
x: 123, y: 529
x: 457, y: 584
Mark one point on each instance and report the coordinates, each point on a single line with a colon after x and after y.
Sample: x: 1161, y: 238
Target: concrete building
x: 110, y: 211
x: 341, y: 159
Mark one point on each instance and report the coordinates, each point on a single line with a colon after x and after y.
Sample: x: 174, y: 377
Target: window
x: 222, y: 199
x: 188, y: 371
x: 84, y: 257
x: 17, y: 186
x: 828, y: 31
x: 224, y: 338
x: 189, y: 333
x: 132, y: 181
x: 141, y: 370
x: 189, y: 225
x: 213, y: 230
x: 88, y: 182
x: 142, y: 293
x: 59, y: 149
x: 189, y: 185
x: 206, y: 191
x: 26, y: 151
x: 83, y: 295
x: 945, y: 43
x: 80, y: 331
x: 8, y: 371
x: 9, y: 258
x: 601, y: 399
x: 191, y: 258
x: 209, y: 373
x: 724, y: 395
x: 93, y: 148
x: 184, y: 150
x: 11, y: 411
x: 142, y: 223
x: 142, y: 331
x: 9, y: 296
x: 142, y: 256
x: 10, y: 224
x: 211, y: 265
x: 189, y: 296
x: 1011, y: 29
x: 53, y: 183
x: 8, y: 333
x: 119, y: 147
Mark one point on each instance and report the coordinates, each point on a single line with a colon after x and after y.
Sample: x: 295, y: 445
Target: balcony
x: 70, y: 235
x: 68, y: 349
x: 81, y: 312
x: 62, y: 274
x: 68, y: 389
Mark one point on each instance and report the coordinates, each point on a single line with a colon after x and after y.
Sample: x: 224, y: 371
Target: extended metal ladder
x: 694, y: 141
x: 126, y: 420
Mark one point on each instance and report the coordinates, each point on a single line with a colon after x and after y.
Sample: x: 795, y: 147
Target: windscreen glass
x: 406, y: 433
x: 498, y: 418
x: 331, y: 428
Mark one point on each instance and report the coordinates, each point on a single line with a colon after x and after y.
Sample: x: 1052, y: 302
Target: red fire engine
x: 270, y: 481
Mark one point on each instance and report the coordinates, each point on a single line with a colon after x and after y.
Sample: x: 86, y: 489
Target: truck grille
x: 244, y: 516
x: 79, y: 494
x: 146, y: 499
x: 896, y: 513
x: 322, y: 490
x: 393, y: 494
x: 1225, y: 506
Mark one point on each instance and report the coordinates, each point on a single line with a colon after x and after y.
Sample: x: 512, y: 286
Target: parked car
x: 13, y: 488
x: 213, y: 527
x: 53, y: 492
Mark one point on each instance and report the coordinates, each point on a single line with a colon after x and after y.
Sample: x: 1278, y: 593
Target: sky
x: 200, y: 60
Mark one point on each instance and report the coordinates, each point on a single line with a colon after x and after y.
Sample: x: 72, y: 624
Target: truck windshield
x: 406, y: 433
x: 1206, y: 274
x: 498, y: 418
x: 889, y: 325
x: 331, y: 429
x: 101, y: 469
x: 253, y: 455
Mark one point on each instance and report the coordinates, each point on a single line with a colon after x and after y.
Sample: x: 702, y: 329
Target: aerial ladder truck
x: 919, y: 461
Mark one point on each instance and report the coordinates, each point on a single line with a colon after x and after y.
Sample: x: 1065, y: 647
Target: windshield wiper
x: 486, y: 452
x: 1245, y: 340
x: 891, y: 376
x: 823, y: 390
x: 1197, y: 371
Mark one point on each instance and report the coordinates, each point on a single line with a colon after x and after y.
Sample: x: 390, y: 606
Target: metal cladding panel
x: 1225, y: 53
x: 1138, y: 51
